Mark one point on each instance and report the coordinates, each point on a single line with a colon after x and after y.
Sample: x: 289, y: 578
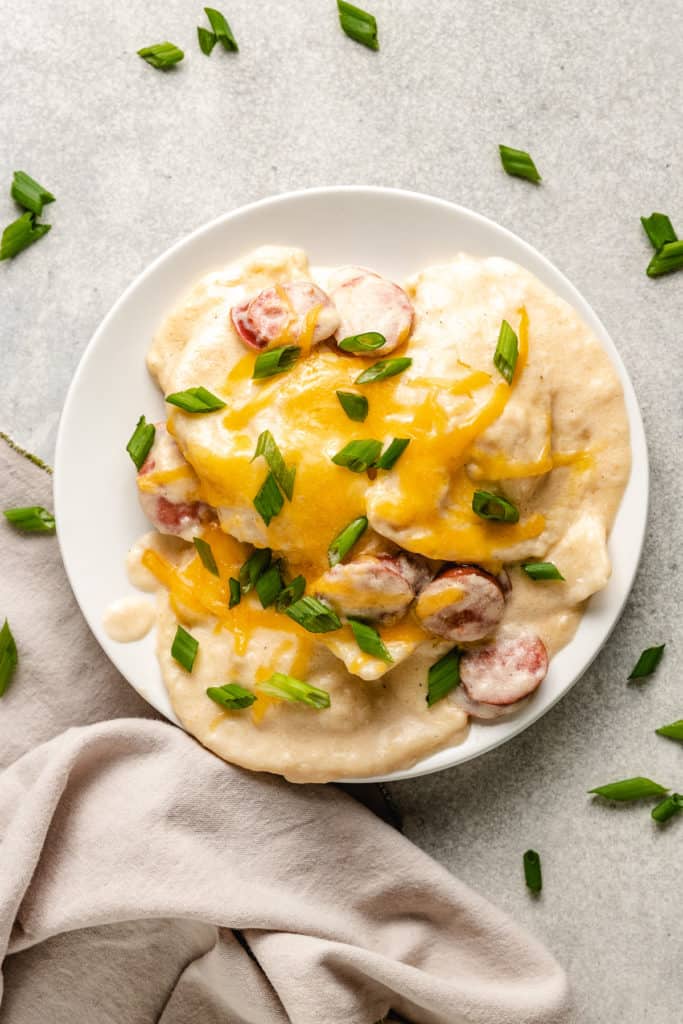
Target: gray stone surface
x: 137, y: 159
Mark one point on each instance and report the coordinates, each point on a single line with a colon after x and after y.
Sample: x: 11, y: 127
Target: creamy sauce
x: 129, y: 619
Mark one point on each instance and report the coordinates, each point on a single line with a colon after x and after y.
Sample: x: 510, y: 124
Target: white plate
x: 393, y: 231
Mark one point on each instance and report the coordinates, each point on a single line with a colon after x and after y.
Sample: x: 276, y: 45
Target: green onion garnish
x: 358, y: 455
x: 369, y: 640
x: 355, y: 406
x: 184, y: 649
x: 668, y: 807
x: 542, y: 571
x: 288, y: 688
x: 8, y: 657
x: 345, y: 539
x: 367, y: 342
x: 532, y: 871
x: 443, y: 676
x: 659, y: 229
x: 673, y: 731
x: 29, y: 194
x: 222, y: 29
x: 393, y: 453
x: 140, y: 443
x: 647, y: 662
x: 630, y: 789
x: 518, y: 163
x: 232, y: 696
x: 34, y: 519
x: 267, y: 447
x: 21, y: 233
x: 505, y: 356
x: 235, y: 588
x: 161, y: 55
x: 195, y: 401
x: 268, y: 501
x: 253, y: 568
x: 207, y: 40
x: 314, y: 615
x: 275, y: 360
x: 291, y: 593
x: 492, y: 506
x: 206, y: 554
x: 358, y: 24
x: 383, y: 369
x: 269, y: 585
x: 669, y: 258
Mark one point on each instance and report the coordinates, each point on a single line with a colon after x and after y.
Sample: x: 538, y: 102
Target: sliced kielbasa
x: 167, y: 489
x: 367, y: 302
x: 371, y: 587
x: 462, y: 604
x: 285, y: 315
x: 505, y: 671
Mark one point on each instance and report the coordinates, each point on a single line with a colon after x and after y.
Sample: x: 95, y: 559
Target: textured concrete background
x: 594, y: 91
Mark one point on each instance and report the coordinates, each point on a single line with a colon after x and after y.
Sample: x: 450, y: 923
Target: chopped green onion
x: 443, y: 676
x: 532, y: 871
x: 383, y: 369
x: 34, y: 519
x: 358, y: 455
x: 518, y: 163
x: 267, y: 447
x: 542, y: 571
x: 275, y: 360
x: 667, y: 259
x: 367, y: 342
x: 668, y: 807
x: 21, y: 233
x: 184, y: 649
x: 314, y: 615
x: 369, y: 640
x: 393, y: 453
x: 659, y: 229
x: 492, y: 506
x: 345, y: 539
x: 253, y: 568
x: 647, y: 662
x: 140, y: 443
x: 222, y: 29
x: 235, y: 588
x: 29, y: 194
x: 206, y: 554
x: 161, y: 55
x: 291, y: 593
x: 268, y: 502
x: 288, y: 688
x: 269, y: 585
x: 8, y: 657
x: 358, y: 24
x: 505, y: 356
x: 355, y: 406
x: 673, y: 731
x: 630, y: 789
x: 207, y: 40
x: 232, y: 696
x: 195, y: 401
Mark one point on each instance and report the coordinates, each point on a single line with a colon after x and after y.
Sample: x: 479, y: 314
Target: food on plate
x: 379, y: 508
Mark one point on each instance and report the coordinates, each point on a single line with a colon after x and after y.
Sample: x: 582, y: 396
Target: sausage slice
x: 506, y: 671
x: 286, y: 314
x: 167, y: 489
x: 371, y: 587
x: 461, y: 604
x: 368, y: 302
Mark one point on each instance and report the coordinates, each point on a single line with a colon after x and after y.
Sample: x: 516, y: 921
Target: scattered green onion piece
x: 31, y: 520
x: 162, y: 55
x: 443, y: 676
x: 667, y: 259
x: 647, y: 662
x: 253, y: 568
x: 493, y: 507
x: 274, y: 361
x: 269, y: 585
x: 630, y: 789
x: 206, y: 554
x: 518, y: 163
x: 370, y: 341
x: 355, y: 406
x: 207, y: 40
x: 393, y: 453
x: 345, y: 539
x: 668, y: 807
x: 358, y: 455
x: 184, y: 649
x: 140, y: 443
x: 314, y: 615
x: 291, y: 593
x: 659, y: 229
x: 29, y: 194
x: 267, y: 447
x: 268, y: 502
x: 8, y: 657
x: 384, y: 369
x: 369, y: 640
x: 673, y: 731
x: 196, y: 401
x: 222, y: 29
x: 288, y: 688
x: 235, y: 588
x: 505, y: 356
x: 532, y: 871
x: 358, y: 24
x: 232, y: 696
x: 542, y: 571
x: 21, y: 233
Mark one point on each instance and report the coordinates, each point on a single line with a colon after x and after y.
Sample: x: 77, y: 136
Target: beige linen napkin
x: 143, y: 880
